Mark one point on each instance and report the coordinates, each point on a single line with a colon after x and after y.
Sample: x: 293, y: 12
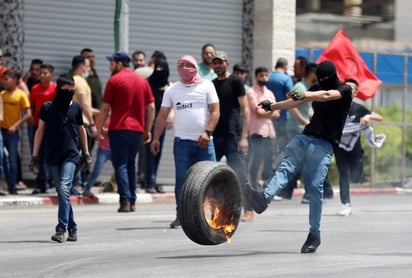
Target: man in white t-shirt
x: 196, y: 108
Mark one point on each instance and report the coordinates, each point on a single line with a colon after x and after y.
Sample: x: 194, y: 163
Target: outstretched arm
x: 297, y: 98
x: 372, y: 116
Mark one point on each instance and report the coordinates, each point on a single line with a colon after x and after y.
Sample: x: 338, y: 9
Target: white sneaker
x: 346, y: 211
x: 277, y: 198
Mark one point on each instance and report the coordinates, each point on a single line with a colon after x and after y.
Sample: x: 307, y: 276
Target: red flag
x: 349, y: 64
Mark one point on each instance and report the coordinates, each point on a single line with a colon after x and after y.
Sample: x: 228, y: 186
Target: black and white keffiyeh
x: 351, y: 133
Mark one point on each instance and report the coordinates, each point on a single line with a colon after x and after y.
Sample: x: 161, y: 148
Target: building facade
x: 251, y: 32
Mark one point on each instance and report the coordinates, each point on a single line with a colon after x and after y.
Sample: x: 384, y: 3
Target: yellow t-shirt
x: 13, y: 105
x: 81, y: 87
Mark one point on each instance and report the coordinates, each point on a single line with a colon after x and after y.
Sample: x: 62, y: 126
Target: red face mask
x: 186, y: 74
x: 186, y: 68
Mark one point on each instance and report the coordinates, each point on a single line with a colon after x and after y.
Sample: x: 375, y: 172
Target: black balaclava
x: 160, y: 75
x: 327, y: 69
x: 64, y: 97
x: 158, y: 80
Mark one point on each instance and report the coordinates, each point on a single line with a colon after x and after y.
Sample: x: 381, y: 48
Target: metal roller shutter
x: 57, y: 30
x: 182, y: 26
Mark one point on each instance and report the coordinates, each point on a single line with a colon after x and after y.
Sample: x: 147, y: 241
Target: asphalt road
x: 374, y: 242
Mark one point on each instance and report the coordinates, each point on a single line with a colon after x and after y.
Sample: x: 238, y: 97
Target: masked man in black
x: 311, y: 151
x: 61, y: 124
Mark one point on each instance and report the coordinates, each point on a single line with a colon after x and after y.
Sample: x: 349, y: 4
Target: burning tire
x: 210, y: 203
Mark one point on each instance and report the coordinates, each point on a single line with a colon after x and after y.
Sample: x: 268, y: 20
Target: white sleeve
x: 211, y: 92
x: 167, y: 97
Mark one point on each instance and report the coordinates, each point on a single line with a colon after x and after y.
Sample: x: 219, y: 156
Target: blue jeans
x: 186, y: 153
x: 101, y: 157
x: 62, y: 176
x: 124, y: 145
x: 152, y: 161
x: 227, y: 146
x: 311, y: 156
x: 10, y: 142
x: 43, y: 177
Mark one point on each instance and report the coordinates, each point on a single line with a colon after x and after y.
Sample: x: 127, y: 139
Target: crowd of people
x: 273, y: 132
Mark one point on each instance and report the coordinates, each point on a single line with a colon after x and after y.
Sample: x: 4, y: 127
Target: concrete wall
x: 403, y: 21
x: 274, y: 32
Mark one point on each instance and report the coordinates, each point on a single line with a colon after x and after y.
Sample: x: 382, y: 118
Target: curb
x: 143, y: 198
x: 103, y: 198
x: 299, y: 192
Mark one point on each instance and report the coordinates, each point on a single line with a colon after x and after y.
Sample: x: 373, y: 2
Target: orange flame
x: 217, y: 221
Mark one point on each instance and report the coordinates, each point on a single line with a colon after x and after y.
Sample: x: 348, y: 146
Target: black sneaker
x: 88, y: 193
x: 159, y: 189
x: 150, y: 190
x: 259, y: 201
x: 328, y: 194
x: 74, y: 192
x: 38, y: 191
x: 175, y: 224
x: 124, y: 207
x: 58, y: 236
x: 311, y: 244
x: 305, y: 200
x: 72, y: 235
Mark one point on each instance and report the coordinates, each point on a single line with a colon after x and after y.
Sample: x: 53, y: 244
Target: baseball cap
x: 219, y: 54
x: 120, y: 56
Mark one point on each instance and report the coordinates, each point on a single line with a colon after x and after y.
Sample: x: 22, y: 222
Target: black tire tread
x: 190, y: 204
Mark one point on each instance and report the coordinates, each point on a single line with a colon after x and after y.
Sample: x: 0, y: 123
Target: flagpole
x: 373, y: 151
x: 404, y: 97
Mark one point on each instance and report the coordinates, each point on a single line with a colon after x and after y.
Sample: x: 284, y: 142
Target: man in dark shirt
x: 349, y: 158
x: 61, y: 124
x: 230, y: 136
x: 311, y: 151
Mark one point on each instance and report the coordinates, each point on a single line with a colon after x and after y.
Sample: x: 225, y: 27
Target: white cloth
x: 351, y: 133
x: 191, y: 107
x: 145, y: 72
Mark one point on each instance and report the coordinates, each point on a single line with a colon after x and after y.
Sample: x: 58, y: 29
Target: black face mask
x: 261, y: 82
x: 159, y: 78
x: 63, y: 99
x: 330, y: 83
x: 160, y: 75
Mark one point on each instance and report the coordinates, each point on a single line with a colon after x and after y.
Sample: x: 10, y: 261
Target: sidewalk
x: 24, y: 197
